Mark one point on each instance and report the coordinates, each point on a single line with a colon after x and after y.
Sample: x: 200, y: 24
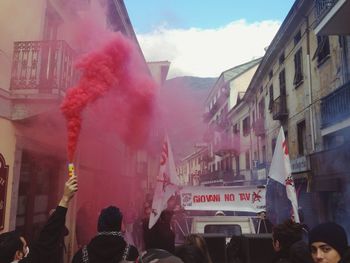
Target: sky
x: 203, y: 38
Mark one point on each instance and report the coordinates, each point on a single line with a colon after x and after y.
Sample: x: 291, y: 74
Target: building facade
x: 37, y: 52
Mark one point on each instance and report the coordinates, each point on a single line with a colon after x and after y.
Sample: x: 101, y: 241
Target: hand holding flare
x: 71, y: 170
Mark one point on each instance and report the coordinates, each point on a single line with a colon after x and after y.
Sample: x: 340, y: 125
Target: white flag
x: 167, y: 182
x: 280, y: 171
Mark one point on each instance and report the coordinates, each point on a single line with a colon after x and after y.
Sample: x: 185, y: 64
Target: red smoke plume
x: 116, y: 68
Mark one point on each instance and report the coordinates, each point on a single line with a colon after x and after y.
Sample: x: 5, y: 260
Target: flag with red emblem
x: 280, y: 171
x: 167, y: 182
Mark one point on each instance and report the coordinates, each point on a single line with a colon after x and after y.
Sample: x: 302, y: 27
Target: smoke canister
x: 71, y: 170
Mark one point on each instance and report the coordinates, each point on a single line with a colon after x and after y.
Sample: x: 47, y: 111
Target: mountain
x: 184, y: 99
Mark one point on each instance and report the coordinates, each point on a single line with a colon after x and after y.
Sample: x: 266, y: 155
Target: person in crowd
x: 198, y: 241
x: 159, y: 256
x: 328, y: 243
x: 129, y: 218
x: 161, y: 235
x: 220, y: 213
x: 108, y: 245
x: 86, y: 222
x: 190, y: 253
x: 13, y: 247
x: 288, y: 244
x: 234, y: 250
x: 264, y: 224
x: 61, y: 249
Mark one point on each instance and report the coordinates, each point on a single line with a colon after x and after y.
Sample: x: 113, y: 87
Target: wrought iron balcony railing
x: 335, y: 107
x: 42, y: 65
x: 323, y: 7
x: 259, y: 127
x: 332, y: 162
x: 279, y: 108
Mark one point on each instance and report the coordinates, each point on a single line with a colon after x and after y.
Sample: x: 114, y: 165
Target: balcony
x: 219, y: 177
x: 331, y: 162
x: 42, y: 67
x: 332, y: 17
x: 226, y: 146
x: 259, y: 127
x: 335, y: 107
x: 279, y: 108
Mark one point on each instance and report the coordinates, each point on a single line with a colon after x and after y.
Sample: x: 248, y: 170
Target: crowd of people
x: 325, y: 243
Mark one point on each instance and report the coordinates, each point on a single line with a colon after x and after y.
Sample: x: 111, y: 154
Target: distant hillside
x: 184, y: 98
x: 193, y: 82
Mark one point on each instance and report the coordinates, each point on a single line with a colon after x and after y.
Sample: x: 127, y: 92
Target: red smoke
x: 110, y: 69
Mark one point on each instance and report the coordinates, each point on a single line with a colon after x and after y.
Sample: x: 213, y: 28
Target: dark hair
x: 10, y: 242
x: 160, y: 254
x: 132, y: 253
x: 110, y: 219
x: 287, y: 233
x: 190, y: 254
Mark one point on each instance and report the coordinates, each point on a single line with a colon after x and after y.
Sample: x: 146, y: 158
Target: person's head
x: 159, y: 256
x: 285, y: 235
x: 110, y: 219
x: 220, y: 213
x: 328, y: 243
x: 12, y: 247
x: 262, y: 214
x: 190, y: 254
x: 147, y: 212
x: 197, y: 240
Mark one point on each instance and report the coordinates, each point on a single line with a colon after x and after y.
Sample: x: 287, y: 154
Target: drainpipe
x: 309, y: 85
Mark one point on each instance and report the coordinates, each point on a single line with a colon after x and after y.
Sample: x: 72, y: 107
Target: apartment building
x: 37, y: 52
x: 229, y: 158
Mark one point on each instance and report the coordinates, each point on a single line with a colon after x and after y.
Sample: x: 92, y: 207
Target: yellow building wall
x: 20, y: 20
x: 7, y: 149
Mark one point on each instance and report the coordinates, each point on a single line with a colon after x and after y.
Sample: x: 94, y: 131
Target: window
x: 273, y: 145
x: 297, y: 38
x: 282, y: 79
x: 262, y: 108
x: 298, y: 60
x: 247, y: 161
x: 322, y: 51
x: 270, y: 74
x: 236, y: 128
x: 263, y: 154
x: 246, y: 126
x: 271, y: 97
x: 301, y: 129
x: 281, y: 59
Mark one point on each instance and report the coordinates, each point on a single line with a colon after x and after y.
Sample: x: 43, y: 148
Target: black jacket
x: 49, y: 239
x: 103, y: 249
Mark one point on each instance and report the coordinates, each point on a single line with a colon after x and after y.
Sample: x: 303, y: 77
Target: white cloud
x: 208, y: 52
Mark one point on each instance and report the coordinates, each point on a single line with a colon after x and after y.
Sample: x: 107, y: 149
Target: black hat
x: 330, y: 233
x: 110, y: 219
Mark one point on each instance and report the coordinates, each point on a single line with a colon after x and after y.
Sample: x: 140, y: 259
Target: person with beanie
x: 108, y: 245
x: 328, y: 243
